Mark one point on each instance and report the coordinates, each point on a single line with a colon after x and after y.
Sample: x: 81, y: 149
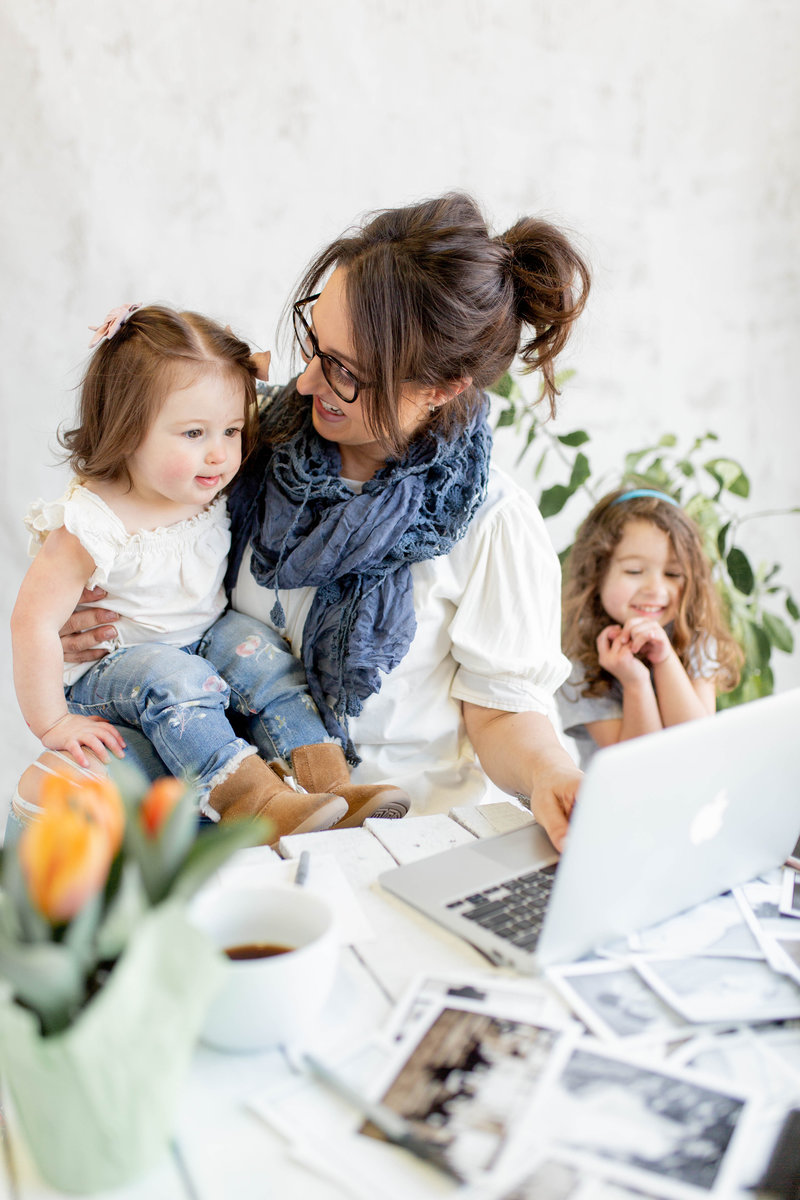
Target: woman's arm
x: 49, y: 593
x: 521, y: 753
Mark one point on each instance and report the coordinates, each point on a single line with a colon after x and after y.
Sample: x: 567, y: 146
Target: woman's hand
x: 74, y: 731
x: 87, y: 627
x: 553, y: 795
x: 521, y: 753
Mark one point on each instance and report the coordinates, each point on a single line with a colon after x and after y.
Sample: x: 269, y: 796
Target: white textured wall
x: 199, y: 153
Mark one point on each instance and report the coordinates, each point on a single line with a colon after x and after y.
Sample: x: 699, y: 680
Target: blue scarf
x: 309, y: 529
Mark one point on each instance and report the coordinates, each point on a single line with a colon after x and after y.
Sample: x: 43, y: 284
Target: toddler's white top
x: 165, y: 583
x: 488, y: 631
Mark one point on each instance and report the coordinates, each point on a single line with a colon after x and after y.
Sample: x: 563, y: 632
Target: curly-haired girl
x: 642, y: 623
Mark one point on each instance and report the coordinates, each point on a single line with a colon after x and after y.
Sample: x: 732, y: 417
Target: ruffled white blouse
x: 165, y: 583
x: 488, y: 631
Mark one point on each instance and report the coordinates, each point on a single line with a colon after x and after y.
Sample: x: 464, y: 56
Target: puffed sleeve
x: 86, y: 517
x: 506, y: 632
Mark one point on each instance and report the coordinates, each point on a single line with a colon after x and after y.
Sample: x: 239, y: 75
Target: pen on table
x: 395, y: 1128
x: 303, y: 863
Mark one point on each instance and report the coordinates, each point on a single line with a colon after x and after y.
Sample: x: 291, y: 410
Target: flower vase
x: 97, y: 1102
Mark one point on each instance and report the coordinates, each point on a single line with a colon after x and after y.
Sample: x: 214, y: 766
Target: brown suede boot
x: 323, y: 767
x: 254, y: 790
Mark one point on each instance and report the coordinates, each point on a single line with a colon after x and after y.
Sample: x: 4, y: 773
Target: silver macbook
x: 661, y: 823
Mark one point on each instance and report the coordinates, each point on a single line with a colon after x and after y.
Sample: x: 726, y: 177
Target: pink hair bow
x: 112, y: 324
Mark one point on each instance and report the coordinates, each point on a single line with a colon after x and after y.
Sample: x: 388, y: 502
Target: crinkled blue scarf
x: 307, y: 528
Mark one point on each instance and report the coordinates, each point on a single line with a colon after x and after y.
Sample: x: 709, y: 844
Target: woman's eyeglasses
x: 343, y: 382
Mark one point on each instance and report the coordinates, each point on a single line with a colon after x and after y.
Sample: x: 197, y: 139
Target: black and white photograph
x: 722, y: 989
x: 716, y: 927
x: 516, y: 999
x: 650, y: 1125
x: 614, y: 1001
x: 768, y: 1071
x: 468, y: 1082
x: 760, y: 903
x: 789, y: 904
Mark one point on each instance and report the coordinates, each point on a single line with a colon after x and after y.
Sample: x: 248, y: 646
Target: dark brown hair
x: 699, y: 630
x: 129, y: 376
x: 434, y: 298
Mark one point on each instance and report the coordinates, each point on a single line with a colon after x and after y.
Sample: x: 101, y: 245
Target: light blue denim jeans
x: 181, y: 698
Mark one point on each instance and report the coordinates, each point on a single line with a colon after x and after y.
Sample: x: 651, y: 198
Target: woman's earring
x: 431, y: 409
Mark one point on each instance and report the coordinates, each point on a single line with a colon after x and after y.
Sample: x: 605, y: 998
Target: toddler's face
x: 644, y: 577
x: 193, y: 448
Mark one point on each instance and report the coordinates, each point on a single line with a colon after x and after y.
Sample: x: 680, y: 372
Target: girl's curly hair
x: 700, y: 629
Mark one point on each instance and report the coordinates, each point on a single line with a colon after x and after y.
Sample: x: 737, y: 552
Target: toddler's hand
x: 648, y: 638
x: 74, y: 731
x: 615, y: 655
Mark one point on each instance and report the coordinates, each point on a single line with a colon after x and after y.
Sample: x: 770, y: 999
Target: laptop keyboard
x: 515, y: 909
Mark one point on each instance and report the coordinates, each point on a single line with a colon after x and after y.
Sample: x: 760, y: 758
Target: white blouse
x: 488, y: 631
x: 165, y: 583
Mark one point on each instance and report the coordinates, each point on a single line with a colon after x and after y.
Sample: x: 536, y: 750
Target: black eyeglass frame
x: 323, y: 358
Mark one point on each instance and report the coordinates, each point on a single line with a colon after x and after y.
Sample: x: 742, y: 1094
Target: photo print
x: 722, y: 990
x: 654, y: 1128
x: 614, y: 1001
x: 467, y: 1083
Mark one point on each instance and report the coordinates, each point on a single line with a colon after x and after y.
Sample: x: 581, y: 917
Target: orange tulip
x: 159, y: 802
x: 97, y: 798
x: 65, y: 857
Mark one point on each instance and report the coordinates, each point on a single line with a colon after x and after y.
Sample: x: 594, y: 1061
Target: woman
x: 417, y: 583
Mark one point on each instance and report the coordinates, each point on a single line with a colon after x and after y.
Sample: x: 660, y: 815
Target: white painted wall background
x: 198, y: 153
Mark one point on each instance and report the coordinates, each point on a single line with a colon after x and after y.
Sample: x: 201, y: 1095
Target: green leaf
x: 578, y: 438
x: 778, y: 633
x: 792, y: 608
x: 540, y: 464
x: 668, y: 439
x: 728, y: 474
x: 633, y: 459
x: 740, y: 571
x: 721, y: 536
x: 553, y: 499
x: 46, y: 977
x: 506, y: 417
x: 504, y: 386
x: 123, y: 914
x: 213, y: 847
x: 580, y: 471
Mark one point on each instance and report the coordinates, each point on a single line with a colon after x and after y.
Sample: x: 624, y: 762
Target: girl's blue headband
x: 637, y: 492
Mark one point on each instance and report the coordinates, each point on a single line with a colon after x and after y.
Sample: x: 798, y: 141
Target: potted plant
x: 103, y: 982
x: 710, y: 487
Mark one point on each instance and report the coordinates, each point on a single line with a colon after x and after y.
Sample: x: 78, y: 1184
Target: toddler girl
x: 642, y: 623
x: 168, y: 408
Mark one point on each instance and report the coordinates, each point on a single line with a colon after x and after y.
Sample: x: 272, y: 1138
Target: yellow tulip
x: 97, y: 798
x: 65, y: 858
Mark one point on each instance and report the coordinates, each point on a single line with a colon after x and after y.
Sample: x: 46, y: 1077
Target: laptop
x: 661, y: 823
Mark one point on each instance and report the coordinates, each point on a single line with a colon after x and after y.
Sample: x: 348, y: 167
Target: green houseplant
x: 712, y: 488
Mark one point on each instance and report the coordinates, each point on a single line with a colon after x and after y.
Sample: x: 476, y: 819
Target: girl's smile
x: 644, y: 577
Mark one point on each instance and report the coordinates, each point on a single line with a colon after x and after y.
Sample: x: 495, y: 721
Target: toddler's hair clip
x: 637, y: 492
x: 112, y: 324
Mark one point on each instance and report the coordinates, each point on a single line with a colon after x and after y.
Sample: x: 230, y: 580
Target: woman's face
x: 334, y: 419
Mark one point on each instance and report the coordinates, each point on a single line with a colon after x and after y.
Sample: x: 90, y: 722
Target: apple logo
x: 708, y: 821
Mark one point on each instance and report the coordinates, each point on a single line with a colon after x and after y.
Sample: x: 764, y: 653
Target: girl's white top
x: 488, y: 631
x: 165, y: 583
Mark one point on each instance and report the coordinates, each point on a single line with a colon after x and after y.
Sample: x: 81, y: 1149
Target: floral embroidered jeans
x: 180, y: 698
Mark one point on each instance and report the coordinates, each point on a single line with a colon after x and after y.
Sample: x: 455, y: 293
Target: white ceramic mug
x: 275, y: 1000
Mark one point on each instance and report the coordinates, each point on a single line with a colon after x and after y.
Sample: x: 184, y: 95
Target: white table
x: 222, y: 1148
